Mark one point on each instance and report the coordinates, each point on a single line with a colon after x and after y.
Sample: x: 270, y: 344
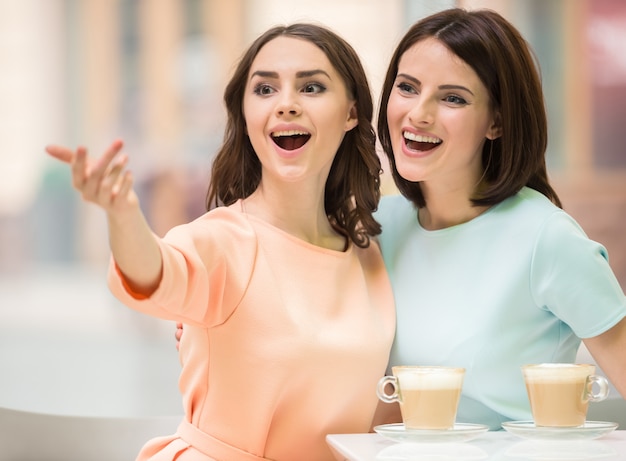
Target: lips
x: 291, y: 139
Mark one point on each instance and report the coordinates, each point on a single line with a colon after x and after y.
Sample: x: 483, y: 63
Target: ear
x: 495, y: 129
x: 352, y: 119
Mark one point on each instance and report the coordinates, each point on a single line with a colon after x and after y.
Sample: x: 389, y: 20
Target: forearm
x: 608, y: 350
x: 386, y: 413
x: 136, y: 252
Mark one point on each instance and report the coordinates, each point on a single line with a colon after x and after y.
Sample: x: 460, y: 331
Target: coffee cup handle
x: 380, y: 389
x: 603, y: 388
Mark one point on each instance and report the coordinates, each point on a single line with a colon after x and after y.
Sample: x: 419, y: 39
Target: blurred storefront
x: 153, y: 71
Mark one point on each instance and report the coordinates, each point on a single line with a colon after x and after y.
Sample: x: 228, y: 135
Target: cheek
x: 252, y: 111
x: 392, y: 111
x: 251, y: 121
x: 395, y: 118
x: 333, y: 124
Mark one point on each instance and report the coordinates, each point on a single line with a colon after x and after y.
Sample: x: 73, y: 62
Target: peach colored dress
x: 283, y: 341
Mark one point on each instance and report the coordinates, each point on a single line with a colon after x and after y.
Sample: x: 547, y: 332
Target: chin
x: 410, y: 173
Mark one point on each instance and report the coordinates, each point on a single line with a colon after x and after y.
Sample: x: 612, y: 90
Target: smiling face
x: 297, y: 110
x: 439, y: 116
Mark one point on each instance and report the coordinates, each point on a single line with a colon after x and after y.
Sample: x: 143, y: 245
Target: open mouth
x: 290, y: 140
x: 419, y: 142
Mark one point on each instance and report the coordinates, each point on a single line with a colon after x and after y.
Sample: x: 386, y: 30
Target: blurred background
x: 152, y: 72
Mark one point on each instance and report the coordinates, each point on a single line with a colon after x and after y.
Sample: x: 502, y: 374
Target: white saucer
x: 590, y: 430
x: 458, y: 433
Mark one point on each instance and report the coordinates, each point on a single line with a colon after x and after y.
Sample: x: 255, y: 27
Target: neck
x: 296, y: 211
x: 447, y: 209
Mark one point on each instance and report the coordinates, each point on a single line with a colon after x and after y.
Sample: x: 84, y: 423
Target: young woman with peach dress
x: 287, y: 307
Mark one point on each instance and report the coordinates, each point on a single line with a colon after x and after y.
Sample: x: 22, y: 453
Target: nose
x: 288, y: 104
x: 423, y: 111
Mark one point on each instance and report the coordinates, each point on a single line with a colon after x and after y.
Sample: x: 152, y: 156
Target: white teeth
x: 420, y: 138
x: 277, y: 134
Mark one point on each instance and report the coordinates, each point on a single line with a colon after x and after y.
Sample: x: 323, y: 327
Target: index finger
x: 61, y: 153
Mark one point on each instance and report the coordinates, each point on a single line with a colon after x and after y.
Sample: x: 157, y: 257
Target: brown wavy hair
x: 507, y: 67
x: 353, y: 185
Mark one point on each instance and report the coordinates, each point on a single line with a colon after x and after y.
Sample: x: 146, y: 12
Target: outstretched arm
x: 106, y: 182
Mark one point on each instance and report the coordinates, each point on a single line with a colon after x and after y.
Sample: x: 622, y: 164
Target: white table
x: 492, y: 446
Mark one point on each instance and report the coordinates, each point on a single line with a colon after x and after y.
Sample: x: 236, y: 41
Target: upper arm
x: 571, y: 277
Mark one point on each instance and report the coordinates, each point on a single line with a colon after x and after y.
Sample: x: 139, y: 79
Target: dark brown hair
x: 353, y: 185
x: 504, y: 62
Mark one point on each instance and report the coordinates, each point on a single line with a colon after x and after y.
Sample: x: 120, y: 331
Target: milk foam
x: 553, y: 372
x: 430, y: 379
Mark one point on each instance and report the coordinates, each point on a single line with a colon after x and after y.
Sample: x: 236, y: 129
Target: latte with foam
x: 559, y: 394
x: 428, y: 396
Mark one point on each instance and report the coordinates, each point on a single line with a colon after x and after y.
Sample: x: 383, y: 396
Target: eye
x: 455, y: 99
x: 263, y: 89
x: 314, y: 88
x: 405, y: 87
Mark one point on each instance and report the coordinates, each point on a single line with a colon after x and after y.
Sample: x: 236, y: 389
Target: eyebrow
x: 300, y: 74
x: 441, y: 87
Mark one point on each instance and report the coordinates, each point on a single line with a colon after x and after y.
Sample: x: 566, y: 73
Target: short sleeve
x: 571, y: 277
x: 207, y: 266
